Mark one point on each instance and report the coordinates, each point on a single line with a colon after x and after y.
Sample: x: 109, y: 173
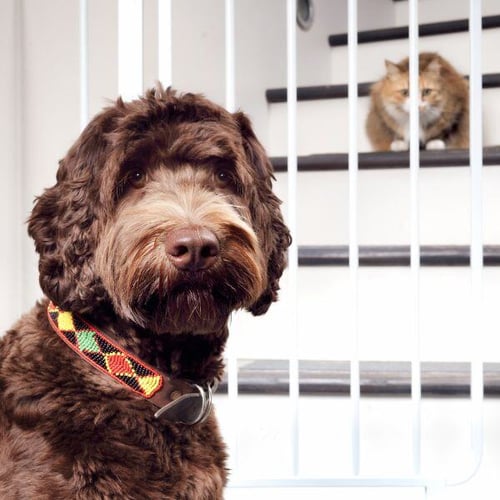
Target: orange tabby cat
x: 443, y: 106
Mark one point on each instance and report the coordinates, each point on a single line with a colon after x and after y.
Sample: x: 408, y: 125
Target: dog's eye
x: 136, y: 178
x: 222, y: 178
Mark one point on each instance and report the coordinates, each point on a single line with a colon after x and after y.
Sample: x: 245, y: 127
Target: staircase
x: 384, y: 220
x: 385, y: 285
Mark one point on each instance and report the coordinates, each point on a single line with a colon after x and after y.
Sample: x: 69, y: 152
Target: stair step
x: 386, y: 160
x: 340, y: 91
x: 388, y: 378
x: 322, y: 125
x: 397, y: 255
x: 401, y: 32
x: 384, y: 213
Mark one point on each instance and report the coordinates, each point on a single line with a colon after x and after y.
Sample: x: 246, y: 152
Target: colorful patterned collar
x: 175, y: 400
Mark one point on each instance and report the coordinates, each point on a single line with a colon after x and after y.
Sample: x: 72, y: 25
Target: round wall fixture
x: 305, y: 14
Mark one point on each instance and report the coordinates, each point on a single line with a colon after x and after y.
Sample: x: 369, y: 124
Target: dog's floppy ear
x: 271, y: 231
x: 64, y: 221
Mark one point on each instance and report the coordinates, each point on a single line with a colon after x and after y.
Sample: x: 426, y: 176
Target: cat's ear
x: 434, y: 66
x: 392, y: 69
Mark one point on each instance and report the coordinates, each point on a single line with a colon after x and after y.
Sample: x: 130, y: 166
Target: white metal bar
x: 344, y: 482
x: 352, y: 29
x: 292, y: 223
x: 232, y: 352
x: 416, y: 391
x: 230, y: 57
x: 84, y: 64
x: 476, y: 250
x: 232, y: 395
x: 130, y: 42
x: 165, y: 42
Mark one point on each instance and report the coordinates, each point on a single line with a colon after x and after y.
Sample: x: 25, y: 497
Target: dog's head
x: 163, y: 209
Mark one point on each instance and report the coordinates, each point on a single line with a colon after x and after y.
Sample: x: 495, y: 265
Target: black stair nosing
x: 394, y: 255
x: 340, y: 91
x: 377, y: 378
x: 317, y: 92
x: 401, y: 32
x: 490, y: 80
x: 386, y: 160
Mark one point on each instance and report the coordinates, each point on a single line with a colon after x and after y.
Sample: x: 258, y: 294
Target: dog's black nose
x: 192, y: 249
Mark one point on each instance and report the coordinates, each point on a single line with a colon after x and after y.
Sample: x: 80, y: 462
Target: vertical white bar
x: 476, y: 247
x: 165, y: 42
x: 416, y: 390
x: 232, y: 353
x: 14, y: 200
x: 84, y: 65
x: 130, y: 41
x: 292, y: 223
x: 230, y: 57
x: 352, y: 36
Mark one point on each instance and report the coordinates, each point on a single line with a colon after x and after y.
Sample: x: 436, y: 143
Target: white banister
x: 291, y: 36
x: 230, y: 77
x: 84, y: 64
x: 165, y: 42
x: 231, y: 351
x: 416, y: 390
x: 352, y: 35
x: 130, y: 46
x: 476, y: 244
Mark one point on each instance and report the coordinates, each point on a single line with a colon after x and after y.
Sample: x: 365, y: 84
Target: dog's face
x: 164, y: 210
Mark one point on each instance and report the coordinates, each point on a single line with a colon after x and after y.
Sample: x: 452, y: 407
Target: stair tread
x: 387, y: 160
x: 271, y: 376
x: 395, y: 255
x: 401, y: 32
x: 340, y: 91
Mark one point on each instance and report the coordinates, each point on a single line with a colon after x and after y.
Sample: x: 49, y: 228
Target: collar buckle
x: 189, y: 408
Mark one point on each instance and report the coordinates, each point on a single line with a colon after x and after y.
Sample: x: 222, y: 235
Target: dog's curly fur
x: 138, y: 171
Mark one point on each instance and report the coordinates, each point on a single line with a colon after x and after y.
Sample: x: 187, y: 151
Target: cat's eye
x: 426, y: 92
x: 404, y: 92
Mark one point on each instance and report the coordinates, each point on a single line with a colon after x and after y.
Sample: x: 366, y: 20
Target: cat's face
x: 396, y: 95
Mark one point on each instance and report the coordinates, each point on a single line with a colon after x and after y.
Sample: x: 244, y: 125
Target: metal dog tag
x: 189, y: 408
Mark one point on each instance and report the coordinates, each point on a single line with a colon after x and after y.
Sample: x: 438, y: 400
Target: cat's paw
x: 399, y: 145
x: 435, y: 144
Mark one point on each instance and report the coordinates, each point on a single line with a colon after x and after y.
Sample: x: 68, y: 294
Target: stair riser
x: 384, y: 206
x: 331, y: 136
x: 454, y: 47
x: 384, y: 316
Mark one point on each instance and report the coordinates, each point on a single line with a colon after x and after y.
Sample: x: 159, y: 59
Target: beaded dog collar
x: 176, y: 400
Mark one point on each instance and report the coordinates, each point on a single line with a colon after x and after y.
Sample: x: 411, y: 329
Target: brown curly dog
x: 161, y: 223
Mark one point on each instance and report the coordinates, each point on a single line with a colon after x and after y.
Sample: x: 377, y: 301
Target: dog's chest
x: 66, y: 430
x: 89, y: 449
x: 145, y: 460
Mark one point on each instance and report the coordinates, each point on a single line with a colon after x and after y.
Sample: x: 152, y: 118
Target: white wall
x: 431, y: 11
x: 11, y: 270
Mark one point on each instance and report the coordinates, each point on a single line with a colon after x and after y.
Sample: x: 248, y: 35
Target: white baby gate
x: 130, y: 53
